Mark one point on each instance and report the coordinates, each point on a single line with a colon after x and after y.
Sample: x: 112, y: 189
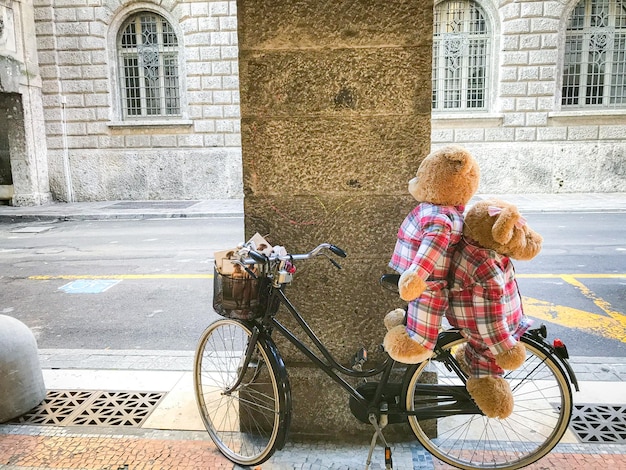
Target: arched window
x: 594, y: 66
x: 461, y: 54
x: 148, y: 67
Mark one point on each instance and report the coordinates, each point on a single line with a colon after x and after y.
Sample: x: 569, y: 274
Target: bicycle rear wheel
x: 249, y: 422
x: 543, y: 406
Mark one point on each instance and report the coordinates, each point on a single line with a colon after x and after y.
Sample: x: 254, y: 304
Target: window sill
x: 465, y: 120
x: 588, y: 116
x: 150, y: 124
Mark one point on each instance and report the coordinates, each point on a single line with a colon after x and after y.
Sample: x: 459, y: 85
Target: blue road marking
x: 89, y: 286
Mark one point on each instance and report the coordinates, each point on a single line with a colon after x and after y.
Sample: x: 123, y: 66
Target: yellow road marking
x: 612, y: 326
x: 603, y: 304
x: 122, y: 276
x: 607, y: 327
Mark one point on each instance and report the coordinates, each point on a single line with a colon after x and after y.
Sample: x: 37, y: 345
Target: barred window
x: 461, y: 54
x: 594, y: 66
x: 148, y: 61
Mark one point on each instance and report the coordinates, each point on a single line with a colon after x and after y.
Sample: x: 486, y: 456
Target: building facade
x: 536, y: 89
x: 139, y: 100
x: 23, y: 158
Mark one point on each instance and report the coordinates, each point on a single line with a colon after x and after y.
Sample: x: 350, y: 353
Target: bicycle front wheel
x: 248, y: 422
x: 543, y: 406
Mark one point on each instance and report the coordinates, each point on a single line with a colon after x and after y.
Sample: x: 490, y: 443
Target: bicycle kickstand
x: 378, y: 432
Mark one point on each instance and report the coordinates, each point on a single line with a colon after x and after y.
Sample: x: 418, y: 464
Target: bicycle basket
x: 243, y: 298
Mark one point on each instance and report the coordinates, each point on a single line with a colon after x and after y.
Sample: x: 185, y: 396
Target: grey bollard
x: 21, y: 381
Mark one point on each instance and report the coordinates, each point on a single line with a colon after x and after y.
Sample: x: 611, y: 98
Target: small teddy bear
x: 485, y: 302
x: 446, y: 181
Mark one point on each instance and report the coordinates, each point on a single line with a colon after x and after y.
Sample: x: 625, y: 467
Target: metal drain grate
x: 599, y: 423
x: 93, y: 408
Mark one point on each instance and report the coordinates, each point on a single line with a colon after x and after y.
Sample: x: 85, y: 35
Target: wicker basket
x: 243, y: 298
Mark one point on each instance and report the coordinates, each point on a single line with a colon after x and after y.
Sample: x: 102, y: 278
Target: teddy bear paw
x: 410, y: 286
x: 492, y: 395
x: 513, y: 358
x: 402, y: 348
x: 394, y: 318
x: 459, y: 355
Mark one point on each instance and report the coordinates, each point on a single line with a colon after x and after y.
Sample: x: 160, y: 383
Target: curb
x: 16, y: 218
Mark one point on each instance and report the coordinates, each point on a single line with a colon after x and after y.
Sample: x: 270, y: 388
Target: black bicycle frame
x: 331, y: 365
x: 434, y: 400
x: 452, y: 400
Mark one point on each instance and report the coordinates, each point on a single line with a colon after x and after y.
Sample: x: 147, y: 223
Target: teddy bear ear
x: 462, y: 159
x: 504, y: 226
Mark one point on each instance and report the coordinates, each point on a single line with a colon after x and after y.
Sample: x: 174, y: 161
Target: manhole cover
x: 93, y: 408
x: 153, y: 204
x: 599, y: 423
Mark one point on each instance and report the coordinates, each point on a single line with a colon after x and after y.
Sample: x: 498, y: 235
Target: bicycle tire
x: 543, y: 408
x: 248, y: 424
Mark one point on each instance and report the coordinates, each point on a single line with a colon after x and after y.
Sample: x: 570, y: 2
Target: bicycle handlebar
x: 259, y: 258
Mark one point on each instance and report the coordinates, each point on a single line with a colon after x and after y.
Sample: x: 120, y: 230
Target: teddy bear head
x: 497, y: 225
x: 448, y: 176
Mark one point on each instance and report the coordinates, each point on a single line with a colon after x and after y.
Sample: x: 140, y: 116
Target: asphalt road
x: 48, y: 269
x: 152, y: 289
x: 577, y: 284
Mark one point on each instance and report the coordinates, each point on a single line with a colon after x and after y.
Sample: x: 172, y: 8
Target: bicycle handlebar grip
x: 338, y: 251
x: 258, y: 257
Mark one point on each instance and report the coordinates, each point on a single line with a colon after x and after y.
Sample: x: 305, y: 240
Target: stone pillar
x: 21, y: 106
x: 335, y: 106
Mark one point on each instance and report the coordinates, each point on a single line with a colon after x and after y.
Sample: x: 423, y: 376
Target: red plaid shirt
x: 425, y: 243
x: 484, y: 298
x: 426, y: 239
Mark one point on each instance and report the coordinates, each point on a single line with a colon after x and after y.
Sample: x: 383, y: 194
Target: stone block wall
x: 21, y: 112
x: 335, y: 100
x: 96, y: 155
x: 527, y: 143
x: 199, y: 155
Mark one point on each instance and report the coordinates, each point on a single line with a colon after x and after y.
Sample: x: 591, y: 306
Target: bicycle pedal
x: 359, y: 359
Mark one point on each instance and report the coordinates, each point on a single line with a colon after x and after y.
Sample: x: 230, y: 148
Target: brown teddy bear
x: 485, y: 302
x: 446, y: 181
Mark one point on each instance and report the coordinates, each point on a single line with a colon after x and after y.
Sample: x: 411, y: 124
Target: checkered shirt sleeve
x: 425, y: 239
x: 484, y: 297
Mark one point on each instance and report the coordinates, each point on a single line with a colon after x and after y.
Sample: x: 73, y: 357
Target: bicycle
x: 243, y: 392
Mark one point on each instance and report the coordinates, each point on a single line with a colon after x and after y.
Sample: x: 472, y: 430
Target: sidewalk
x: 575, y: 202
x: 124, y: 210
x: 153, y: 390
x: 172, y: 436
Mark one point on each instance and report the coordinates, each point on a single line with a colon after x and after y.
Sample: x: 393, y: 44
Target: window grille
x: 594, y: 65
x: 461, y: 54
x: 148, y: 62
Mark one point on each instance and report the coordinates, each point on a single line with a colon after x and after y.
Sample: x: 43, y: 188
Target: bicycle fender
x: 561, y: 362
x: 284, y: 389
x: 538, y: 342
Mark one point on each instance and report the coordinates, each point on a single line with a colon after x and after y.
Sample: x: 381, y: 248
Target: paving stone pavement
x: 187, y: 446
